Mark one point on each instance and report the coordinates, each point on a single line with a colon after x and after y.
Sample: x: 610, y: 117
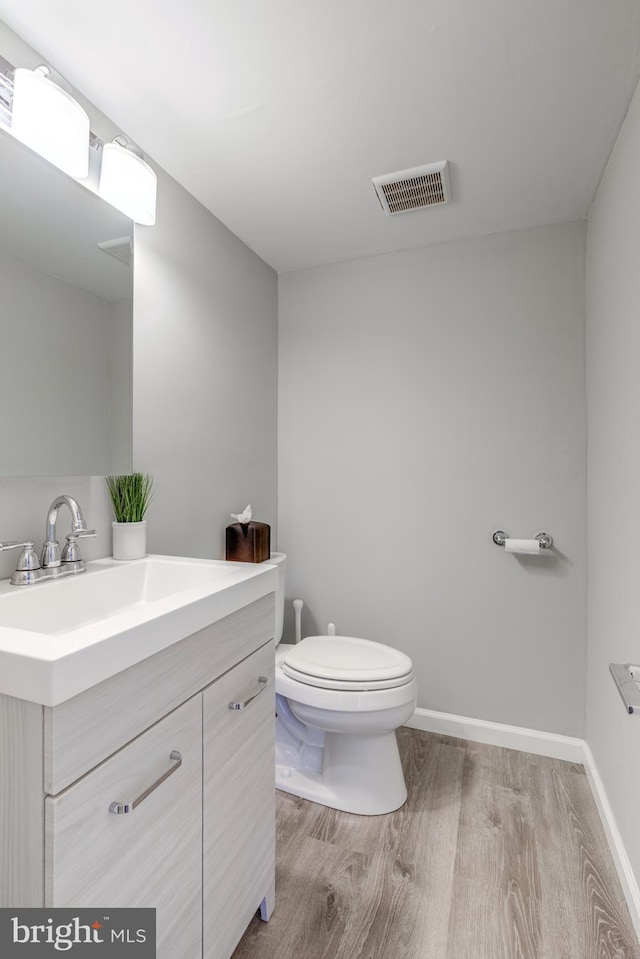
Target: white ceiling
x: 276, y: 115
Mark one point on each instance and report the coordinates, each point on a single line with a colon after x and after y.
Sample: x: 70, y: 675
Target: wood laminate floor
x: 497, y: 854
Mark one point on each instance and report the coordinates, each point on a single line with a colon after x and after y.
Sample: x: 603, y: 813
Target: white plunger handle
x: 297, y: 608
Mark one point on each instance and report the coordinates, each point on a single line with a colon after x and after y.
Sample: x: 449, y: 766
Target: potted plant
x: 130, y: 496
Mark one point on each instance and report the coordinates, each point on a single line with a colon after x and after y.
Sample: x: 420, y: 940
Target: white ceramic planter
x: 129, y: 540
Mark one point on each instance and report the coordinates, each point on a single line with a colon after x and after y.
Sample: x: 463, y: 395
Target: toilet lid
x: 347, y: 662
x: 361, y: 686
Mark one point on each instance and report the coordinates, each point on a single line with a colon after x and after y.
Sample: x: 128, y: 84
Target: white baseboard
x: 499, y: 734
x: 625, y: 872
x: 556, y: 747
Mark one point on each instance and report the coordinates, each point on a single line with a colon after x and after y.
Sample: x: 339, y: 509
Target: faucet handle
x: 28, y: 559
x: 28, y: 566
x: 71, y: 552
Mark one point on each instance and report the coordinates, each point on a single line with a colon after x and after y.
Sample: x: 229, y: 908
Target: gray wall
x: 613, y: 398
x: 65, y: 332
x: 68, y: 402
x: 427, y: 398
x: 204, y: 380
x: 120, y: 385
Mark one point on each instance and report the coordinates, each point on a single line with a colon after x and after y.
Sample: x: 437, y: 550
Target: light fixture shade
x: 47, y: 119
x: 128, y: 183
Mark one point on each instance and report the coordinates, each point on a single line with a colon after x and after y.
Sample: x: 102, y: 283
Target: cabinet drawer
x: 239, y: 801
x: 151, y: 856
x: 81, y: 732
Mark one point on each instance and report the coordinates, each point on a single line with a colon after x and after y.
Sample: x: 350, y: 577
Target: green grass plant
x: 130, y: 495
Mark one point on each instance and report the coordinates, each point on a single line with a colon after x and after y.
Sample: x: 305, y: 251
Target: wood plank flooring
x: 497, y: 854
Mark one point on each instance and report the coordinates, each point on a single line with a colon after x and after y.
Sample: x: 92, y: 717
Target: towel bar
x: 627, y: 677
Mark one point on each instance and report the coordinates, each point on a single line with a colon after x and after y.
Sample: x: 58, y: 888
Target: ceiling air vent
x: 411, y: 189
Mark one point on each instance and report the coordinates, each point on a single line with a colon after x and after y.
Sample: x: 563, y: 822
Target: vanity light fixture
x: 128, y: 182
x: 48, y: 120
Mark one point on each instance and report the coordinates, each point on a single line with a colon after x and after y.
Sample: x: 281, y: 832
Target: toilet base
x: 360, y: 774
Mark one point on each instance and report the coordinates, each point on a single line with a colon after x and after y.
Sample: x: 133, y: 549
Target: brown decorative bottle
x: 248, y: 541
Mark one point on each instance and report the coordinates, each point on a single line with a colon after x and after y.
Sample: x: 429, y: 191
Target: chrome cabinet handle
x: 262, y: 685
x: 123, y: 808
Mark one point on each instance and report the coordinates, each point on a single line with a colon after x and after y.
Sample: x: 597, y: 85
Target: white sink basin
x: 64, y: 605
x: 61, y: 637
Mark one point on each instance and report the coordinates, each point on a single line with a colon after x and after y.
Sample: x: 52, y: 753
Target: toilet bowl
x: 339, y: 700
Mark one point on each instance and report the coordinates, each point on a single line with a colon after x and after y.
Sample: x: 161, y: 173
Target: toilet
x: 339, y: 701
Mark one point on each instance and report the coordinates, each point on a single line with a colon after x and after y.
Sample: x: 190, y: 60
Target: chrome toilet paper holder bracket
x: 545, y: 539
x: 626, y: 676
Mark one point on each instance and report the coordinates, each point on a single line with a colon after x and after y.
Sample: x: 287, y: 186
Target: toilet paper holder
x: 545, y: 539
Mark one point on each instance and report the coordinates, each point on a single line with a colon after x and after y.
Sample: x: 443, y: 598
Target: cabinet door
x: 239, y: 801
x: 150, y: 856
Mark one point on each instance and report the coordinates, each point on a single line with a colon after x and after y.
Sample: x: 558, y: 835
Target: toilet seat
x: 347, y: 663
x: 352, y: 685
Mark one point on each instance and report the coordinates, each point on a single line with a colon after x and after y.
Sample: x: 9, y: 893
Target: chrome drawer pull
x: 122, y: 808
x: 262, y: 685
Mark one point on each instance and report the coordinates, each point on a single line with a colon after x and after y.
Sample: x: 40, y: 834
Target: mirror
x: 66, y: 283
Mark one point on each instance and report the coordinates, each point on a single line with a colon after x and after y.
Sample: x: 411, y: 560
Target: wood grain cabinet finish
x: 200, y: 848
x: 239, y: 802
x: 89, y: 727
x: 151, y: 856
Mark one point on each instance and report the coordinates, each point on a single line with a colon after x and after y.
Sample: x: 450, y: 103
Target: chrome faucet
x: 51, y: 557
x: 30, y: 569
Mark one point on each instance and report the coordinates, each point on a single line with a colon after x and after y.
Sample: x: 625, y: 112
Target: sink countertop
x: 59, y: 638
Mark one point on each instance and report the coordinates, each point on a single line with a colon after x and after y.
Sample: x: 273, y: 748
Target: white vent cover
x: 411, y: 189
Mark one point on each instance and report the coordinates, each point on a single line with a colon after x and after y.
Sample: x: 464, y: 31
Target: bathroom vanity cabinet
x: 200, y: 845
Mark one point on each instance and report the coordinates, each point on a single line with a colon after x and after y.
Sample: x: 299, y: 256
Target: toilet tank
x: 279, y: 560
